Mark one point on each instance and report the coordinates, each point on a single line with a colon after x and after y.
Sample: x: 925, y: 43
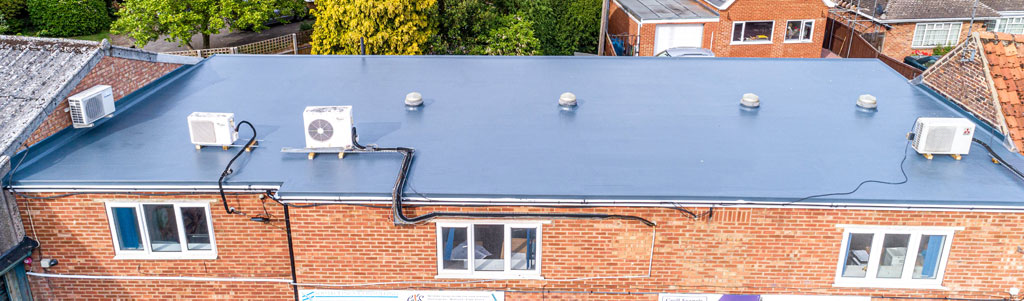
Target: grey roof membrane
x: 645, y: 128
x: 652, y: 10
x: 33, y: 71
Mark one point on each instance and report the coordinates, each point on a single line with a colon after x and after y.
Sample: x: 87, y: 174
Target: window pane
x: 808, y: 30
x: 489, y: 241
x: 737, y: 32
x: 454, y: 244
x: 163, y: 228
x: 928, y: 255
x: 524, y: 249
x: 894, y: 253
x: 126, y: 226
x: 793, y: 30
x: 197, y: 229
x: 758, y: 31
x: 858, y: 253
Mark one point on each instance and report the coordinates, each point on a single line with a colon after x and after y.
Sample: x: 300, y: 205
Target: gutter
x: 890, y: 21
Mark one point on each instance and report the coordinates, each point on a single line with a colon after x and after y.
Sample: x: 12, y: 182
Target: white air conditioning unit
x: 90, y: 105
x: 328, y: 126
x: 212, y: 128
x: 947, y: 136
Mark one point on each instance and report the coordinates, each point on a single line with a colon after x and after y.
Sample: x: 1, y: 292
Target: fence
x: 622, y: 44
x: 847, y: 43
x: 296, y: 43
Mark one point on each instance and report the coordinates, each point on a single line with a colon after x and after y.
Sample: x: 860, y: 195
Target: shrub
x: 306, y: 26
x: 942, y: 50
x: 15, y: 15
x: 66, y: 18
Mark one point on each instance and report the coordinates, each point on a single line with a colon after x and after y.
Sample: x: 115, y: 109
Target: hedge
x: 15, y: 15
x: 66, y: 18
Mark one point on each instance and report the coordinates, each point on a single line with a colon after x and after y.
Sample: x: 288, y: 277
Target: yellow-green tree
x: 386, y: 26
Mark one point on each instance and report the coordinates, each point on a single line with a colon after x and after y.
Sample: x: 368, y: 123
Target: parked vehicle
x: 687, y: 52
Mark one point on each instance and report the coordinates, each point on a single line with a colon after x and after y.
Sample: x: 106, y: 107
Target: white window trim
x: 146, y: 252
x: 801, y: 39
x: 471, y: 272
x: 913, y: 38
x: 1001, y: 20
x: 907, y: 281
x: 771, y: 37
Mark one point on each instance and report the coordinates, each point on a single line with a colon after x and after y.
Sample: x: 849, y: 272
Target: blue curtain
x: 127, y: 228
x: 931, y: 256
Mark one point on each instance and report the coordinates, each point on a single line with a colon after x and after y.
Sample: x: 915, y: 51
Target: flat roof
x: 645, y: 129
x: 660, y: 10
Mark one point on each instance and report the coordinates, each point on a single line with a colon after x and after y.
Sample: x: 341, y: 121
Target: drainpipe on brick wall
x: 291, y: 251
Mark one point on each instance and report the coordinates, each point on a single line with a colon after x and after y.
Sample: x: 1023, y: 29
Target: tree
x: 565, y: 26
x: 386, y: 26
x: 491, y: 27
x: 15, y: 15
x: 146, y: 20
x: 514, y: 36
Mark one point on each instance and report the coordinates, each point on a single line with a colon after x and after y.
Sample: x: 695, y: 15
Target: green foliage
x: 386, y: 26
x: 513, y: 36
x: 146, y: 20
x: 15, y: 15
x: 4, y: 28
x: 65, y: 18
x: 942, y: 50
x: 566, y: 26
x: 306, y: 26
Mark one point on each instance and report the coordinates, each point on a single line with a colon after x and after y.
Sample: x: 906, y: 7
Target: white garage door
x: 677, y: 35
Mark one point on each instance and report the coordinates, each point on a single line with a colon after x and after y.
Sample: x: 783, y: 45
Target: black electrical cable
x: 902, y: 171
x: 999, y: 159
x: 227, y: 169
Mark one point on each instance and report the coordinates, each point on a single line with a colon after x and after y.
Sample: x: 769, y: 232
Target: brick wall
x: 742, y: 250
x: 964, y: 80
x: 779, y: 11
x: 123, y: 75
x: 900, y: 37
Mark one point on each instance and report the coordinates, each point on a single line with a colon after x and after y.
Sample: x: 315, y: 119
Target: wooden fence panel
x: 850, y: 44
x: 279, y: 45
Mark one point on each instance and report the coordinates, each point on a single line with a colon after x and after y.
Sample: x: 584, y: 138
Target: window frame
x: 147, y: 252
x: 1002, y: 22
x: 800, y: 39
x: 906, y: 279
x: 470, y: 272
x: 771, y: 37
x: 917, y: 27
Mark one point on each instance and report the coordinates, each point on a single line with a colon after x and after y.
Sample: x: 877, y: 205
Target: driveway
x: 225, y: 38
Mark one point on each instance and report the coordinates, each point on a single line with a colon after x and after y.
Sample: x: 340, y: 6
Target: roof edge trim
x: 149, y: 56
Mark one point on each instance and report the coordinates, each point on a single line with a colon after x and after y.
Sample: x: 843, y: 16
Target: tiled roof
x: 1005, y: 5
x: 1005, y: 54
x: 34, y: 72
x: 924, y: 9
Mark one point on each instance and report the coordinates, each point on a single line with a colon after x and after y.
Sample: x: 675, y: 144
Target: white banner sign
x: 375, y: 295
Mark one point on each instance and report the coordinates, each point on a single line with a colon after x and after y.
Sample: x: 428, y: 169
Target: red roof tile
x: 1005, y: 55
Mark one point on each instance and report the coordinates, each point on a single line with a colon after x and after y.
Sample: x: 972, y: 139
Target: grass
x: 94, y: 37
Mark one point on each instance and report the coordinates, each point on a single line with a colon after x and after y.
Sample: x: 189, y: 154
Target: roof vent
x: 414, y: 99
x: 567, y: 99
x: 750, y: 100
x: 867, y: 101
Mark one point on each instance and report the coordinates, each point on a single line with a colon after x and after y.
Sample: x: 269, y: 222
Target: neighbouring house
x: 655, y: 186
x: 985, y: 76
x: 38, y: 75
x: 729, y: 28
x: 900, y: 28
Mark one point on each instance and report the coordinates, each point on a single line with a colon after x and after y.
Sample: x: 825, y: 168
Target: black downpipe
x: 291, y: 252
x: 403, y: 175
x: 227, y: 169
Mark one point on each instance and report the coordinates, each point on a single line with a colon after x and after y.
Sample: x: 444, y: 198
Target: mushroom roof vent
x: 750, y: 100
x: 567, y: 99
x: 867, y: 101
x: 413, y: 99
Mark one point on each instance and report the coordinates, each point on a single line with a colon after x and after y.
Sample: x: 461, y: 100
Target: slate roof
x: 655, y: 10
x: 35, y: 73
x: 490, y: 129
x: 1005, y: 55
x: 887, y: 10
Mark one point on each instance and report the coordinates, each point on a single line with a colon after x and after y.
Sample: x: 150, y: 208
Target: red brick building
x: 605, y: 194
x: 734, y: 28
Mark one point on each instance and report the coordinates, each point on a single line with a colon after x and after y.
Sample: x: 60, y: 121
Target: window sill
x: 892, y: 285
x: 797, y: 42
x: 751, y: 43
x: 207, y: 256
x: 490, y: 277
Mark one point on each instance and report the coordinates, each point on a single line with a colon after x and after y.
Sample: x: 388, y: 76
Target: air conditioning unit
x: 90, y: 105
x: 208, y: 129
x: 328, y: 126
x: 947, y: 136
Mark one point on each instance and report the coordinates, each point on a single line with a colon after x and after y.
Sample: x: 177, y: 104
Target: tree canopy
x: 146, y: 20
x: 385, y: 26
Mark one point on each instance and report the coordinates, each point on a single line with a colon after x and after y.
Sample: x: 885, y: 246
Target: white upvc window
x: 501, y: 249
x: 893, y: 256
x: 928, y: 35
x: 1014, y: 25
x: 752, y: 32
x: 161, y: 230
x: 799, y: 31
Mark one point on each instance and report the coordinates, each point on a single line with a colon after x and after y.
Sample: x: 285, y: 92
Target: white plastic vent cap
x: 413, y: 99
x: 567, y: 99
x: 867, y: 101
x: 750, y: 100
